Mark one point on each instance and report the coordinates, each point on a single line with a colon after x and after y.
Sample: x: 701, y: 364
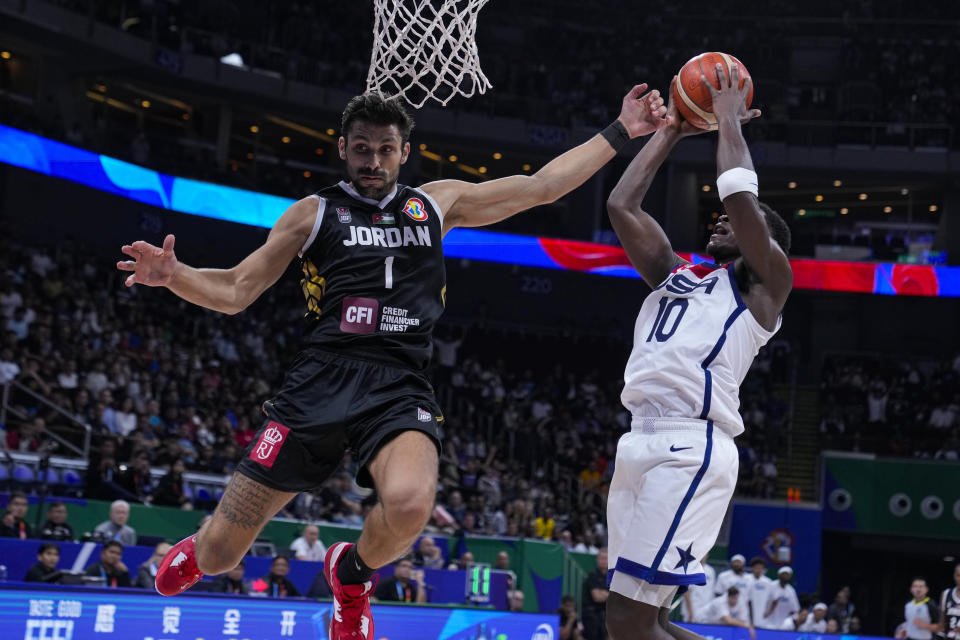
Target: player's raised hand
x: 152, y: 266
x: 680, y: 125
x: 730, y: 101
x: 642, y: 113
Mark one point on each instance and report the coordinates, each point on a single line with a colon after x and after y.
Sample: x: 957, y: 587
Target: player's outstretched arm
x: 761, y: 253
x: 647, y: 246
x: 475, y: 205
x: 225, y: 290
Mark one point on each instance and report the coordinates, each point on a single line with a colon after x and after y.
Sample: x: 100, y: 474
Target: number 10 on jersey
x: 670, y: 313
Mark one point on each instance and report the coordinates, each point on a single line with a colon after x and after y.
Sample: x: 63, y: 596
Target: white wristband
x: 736, y: 180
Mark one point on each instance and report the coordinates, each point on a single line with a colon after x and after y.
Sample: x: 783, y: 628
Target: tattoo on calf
x: 245, y: 503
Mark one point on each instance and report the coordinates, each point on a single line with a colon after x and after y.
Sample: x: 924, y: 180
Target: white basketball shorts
x: 671, y: 486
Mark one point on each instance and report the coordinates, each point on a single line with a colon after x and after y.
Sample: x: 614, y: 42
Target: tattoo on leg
x: 245, y: 503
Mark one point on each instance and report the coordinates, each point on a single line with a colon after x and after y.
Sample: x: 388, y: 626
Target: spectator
x: 841, y: 610
x: 817, y: 621
x: 699, y: 596
x: 308, y: 546
x: 46, y: 568
x: 832, y: 626
x: 515, y: 601
x: 502, y: 563
x: 735, y: 576
x: 797, y: 621
x: 9, y: 369
x: 170, y: 490
x: 545, y: 524
x: 136, y: 479
x: 320, y: 588
x: 570, y: 627
x: 428, y: 555
x: 111, y: 567
x: 729, y: 610
x: 116, y: 528
x: 464, y: 563
x: 782, y: 601
x: 232, y: 581
x: 594, y: 601
x: 56, y: 527
x: 275, y: 584
x: 13, y: 524
x: 921, y: 614
x: 147, y: 572
x: 405, y: 585
x: 759, y: 591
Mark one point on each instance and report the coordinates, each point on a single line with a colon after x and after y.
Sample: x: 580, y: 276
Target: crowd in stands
x: 874, y: 69
x: 891, y: 406
x: 528, y: 449
x: 745, y: 596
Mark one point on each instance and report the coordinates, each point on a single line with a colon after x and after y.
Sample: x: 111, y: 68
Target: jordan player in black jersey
x: 374, y: 285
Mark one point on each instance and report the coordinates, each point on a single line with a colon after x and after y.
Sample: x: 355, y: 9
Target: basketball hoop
x: 426, y: 49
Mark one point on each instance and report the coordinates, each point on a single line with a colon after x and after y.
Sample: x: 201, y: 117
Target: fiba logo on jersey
x: 268, y: 446
x: 415, y: 209
x: 343, y: 214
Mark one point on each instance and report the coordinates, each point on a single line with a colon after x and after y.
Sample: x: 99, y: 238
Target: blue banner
x: 60, y: 613
x: 785, y: 534
x: 720, y: 632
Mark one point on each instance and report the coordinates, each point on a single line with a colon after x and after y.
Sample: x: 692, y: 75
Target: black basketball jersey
x: 950, y: 607
x: 373, y: 275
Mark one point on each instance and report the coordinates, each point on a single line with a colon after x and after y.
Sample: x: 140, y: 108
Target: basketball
x: 693, y: 98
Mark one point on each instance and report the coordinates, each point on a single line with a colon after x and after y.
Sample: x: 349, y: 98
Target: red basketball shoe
x: 352, y: 619
x: 178, y: 570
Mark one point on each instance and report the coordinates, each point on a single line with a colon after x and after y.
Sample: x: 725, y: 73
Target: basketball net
x: 426, y: 50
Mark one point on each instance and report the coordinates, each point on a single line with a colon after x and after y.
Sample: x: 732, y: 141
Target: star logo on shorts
x: 686, y: 557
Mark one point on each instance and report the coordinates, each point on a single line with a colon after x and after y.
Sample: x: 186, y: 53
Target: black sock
x: 352, y: 569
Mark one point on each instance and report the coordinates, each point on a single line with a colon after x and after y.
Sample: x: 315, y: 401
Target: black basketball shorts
x: 329, y: 404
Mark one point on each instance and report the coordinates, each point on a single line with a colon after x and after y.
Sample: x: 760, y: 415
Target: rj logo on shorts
x: 268, y: 446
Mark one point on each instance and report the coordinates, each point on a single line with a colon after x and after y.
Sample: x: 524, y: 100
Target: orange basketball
x: 693, y: 98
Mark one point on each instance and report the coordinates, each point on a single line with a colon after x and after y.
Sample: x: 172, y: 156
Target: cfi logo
x: 268, y: 446
x: 415, y: 209
x: 543, y: 632
x: 343, y: 214
x: 423, y: 416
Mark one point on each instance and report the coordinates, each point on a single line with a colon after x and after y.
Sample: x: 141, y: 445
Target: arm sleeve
x: 934, y: 611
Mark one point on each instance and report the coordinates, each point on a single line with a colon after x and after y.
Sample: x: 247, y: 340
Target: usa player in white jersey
x: 695, y: 337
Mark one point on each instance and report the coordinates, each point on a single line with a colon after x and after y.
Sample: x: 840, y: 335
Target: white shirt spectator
x: 742, y: 581
x: 446, y: 351
x: 700, y: 595
x: 96, y: 382
x: 811, y: 625
x: 68, y: 380
x: 787, y: 603
x: 8, y: 370
x: 719, y: 607
x: 41, y: 263
x: 9, y: 302
x: 759, y: 592
x: 126, y: 422
x: 943, y: 416
x: 303, y: 551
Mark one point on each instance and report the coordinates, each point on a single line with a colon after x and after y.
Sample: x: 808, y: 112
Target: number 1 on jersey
x: 388, y: 269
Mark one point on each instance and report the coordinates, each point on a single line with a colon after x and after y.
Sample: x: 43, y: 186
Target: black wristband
x: 616, y: 134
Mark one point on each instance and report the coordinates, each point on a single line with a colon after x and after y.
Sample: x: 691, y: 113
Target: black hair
x: 757, y: 560
x: 920, y: 578
x: 112, y: 543
x: 54, y: 505
x: 733, y: 591
x: 379, y: 110
x: 17, y: 494
x: 779, y: 230
x: 47, y: 546
x: 280, y: 557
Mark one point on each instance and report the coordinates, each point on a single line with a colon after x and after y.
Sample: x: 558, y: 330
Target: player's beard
x: 374, y: 192
x: 722, y: 253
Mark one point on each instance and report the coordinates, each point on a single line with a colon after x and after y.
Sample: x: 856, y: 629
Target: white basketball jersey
x: 692, y: 347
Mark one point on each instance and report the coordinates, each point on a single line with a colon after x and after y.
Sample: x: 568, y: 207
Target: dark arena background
x: 125, y: 120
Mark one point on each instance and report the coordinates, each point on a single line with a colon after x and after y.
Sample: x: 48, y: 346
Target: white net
x: 426, y: 49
